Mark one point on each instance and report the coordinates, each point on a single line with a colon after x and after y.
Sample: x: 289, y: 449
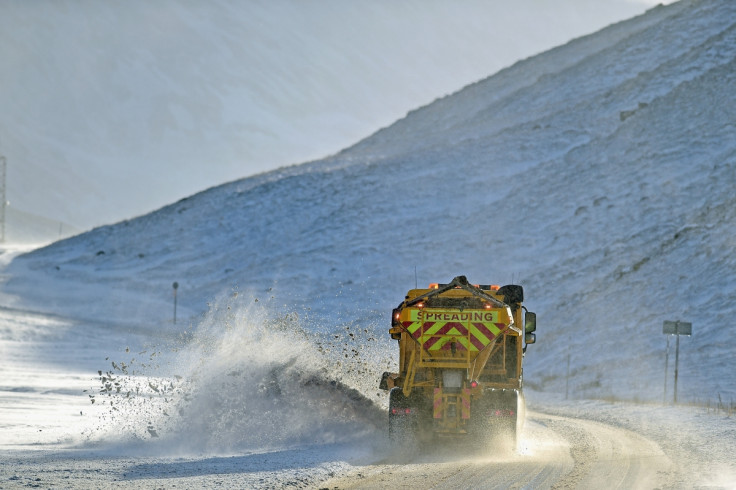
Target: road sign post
x: 675, y: 328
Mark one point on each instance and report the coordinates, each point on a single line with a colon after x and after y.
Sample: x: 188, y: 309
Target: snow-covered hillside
x: 599, y: 175
x: 110, y: 110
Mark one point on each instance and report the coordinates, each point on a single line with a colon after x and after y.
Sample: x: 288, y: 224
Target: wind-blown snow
x: 598, y: 175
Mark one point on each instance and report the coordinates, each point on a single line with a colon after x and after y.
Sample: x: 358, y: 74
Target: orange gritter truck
x: 460, y: 363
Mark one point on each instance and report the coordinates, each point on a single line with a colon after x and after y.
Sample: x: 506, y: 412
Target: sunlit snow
x: 599, y: 175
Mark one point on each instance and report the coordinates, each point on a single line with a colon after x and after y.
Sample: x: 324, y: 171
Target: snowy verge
x: 701, y: 443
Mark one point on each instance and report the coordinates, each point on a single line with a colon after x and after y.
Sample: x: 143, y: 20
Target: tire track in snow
x: 555, y: 452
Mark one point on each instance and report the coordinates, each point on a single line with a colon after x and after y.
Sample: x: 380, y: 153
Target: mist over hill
x: 599, y: 175
x: 111, y: 110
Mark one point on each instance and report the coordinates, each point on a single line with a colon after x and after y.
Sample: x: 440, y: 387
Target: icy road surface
x: 556, y: 452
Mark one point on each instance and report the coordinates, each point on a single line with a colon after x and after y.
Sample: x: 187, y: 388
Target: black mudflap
x: 494, y: 421
x: 409, y: 420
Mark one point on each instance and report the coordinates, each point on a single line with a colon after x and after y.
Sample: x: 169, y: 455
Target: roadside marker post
x: 675, y: 328
x: 175, y: 286
x: 666, y: 365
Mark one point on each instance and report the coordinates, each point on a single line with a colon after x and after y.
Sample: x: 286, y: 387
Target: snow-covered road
x: 52, y: 436
x: 556, y: 451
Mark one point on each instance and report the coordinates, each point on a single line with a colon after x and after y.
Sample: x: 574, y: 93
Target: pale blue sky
x: 113, y: 109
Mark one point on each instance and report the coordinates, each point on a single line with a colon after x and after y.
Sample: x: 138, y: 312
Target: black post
x: 176, y: 286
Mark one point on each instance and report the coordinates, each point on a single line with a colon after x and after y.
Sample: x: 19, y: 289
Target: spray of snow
x: 244, y: 379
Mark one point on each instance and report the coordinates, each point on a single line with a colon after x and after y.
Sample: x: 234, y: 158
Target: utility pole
x: 3, y: 200
x: 677, y: 363
x: 666, y: 364
x: 567, y: 377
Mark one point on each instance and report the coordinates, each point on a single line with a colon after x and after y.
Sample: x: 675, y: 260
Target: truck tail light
x: 401, y: 411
